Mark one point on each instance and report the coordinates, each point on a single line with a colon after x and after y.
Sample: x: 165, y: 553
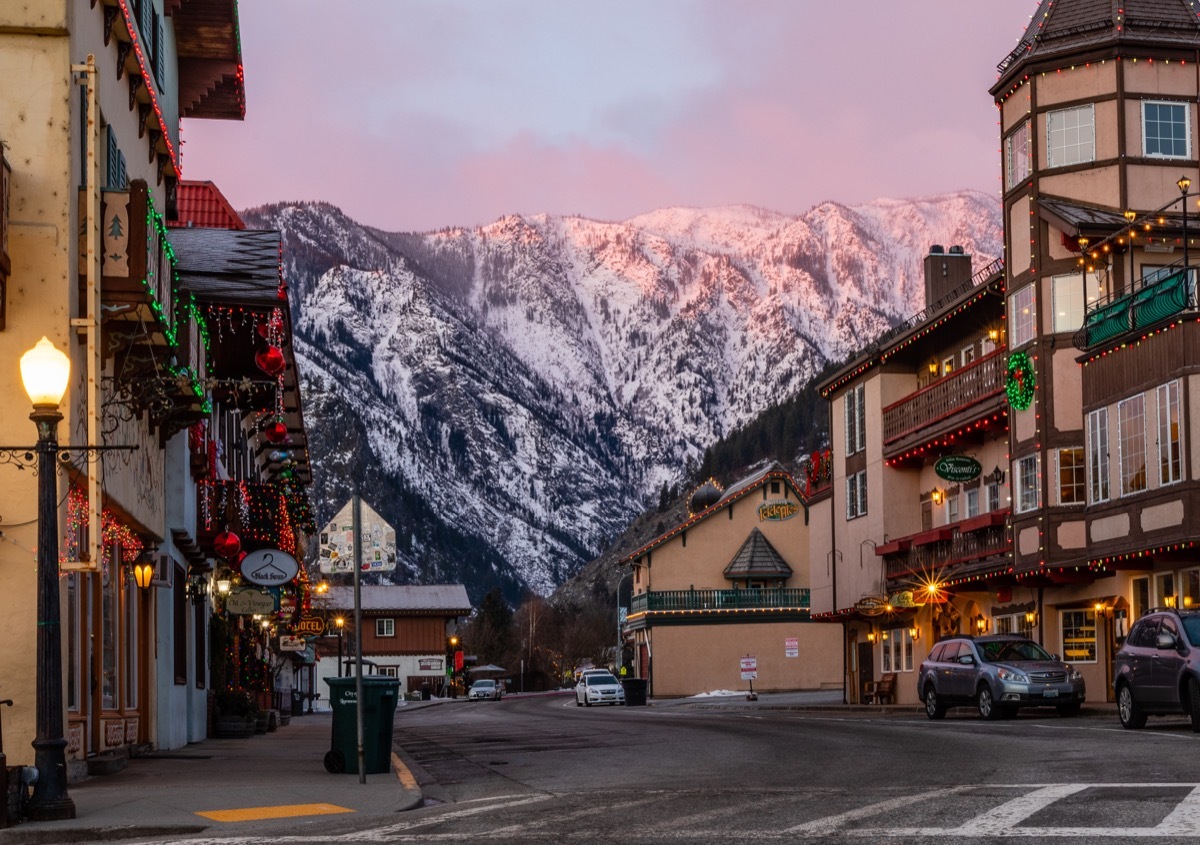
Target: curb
x: 22, y: 835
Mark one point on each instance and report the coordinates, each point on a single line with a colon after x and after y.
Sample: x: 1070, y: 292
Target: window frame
x: 1083, y: 289
x: 856, y: 420
x: 1130, y: 431
x: 1099, y: 467
x: 1078, y: 470
x: 971, y: 499
x: 1022, y: 329
x: 896, y: 650
x: 1019, y: 467
x: 1018, y: 150
x: 1170, y: 454
x: 385, y: 626
x: 1082, y: 627
x: 1083, y: 152
x: 1187, y: 127
x: 856, y: 495
x: 1144, y: 580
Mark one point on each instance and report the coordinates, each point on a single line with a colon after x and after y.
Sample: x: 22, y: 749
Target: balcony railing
x: 748, y: 599
x: 944, y: 398
x: 1150, y: 302
x: 958, y: 549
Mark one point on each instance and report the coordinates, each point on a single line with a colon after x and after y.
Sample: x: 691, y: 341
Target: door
x: 1165, y: 666
x: 866, y: 666
x: 960, y: 671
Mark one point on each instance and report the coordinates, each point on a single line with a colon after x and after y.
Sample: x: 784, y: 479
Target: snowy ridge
x: 515, y: 393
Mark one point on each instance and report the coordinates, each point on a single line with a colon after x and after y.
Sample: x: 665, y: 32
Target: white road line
x: 1184, y: 820
x: 1011, y: 813
x: 829, y: 824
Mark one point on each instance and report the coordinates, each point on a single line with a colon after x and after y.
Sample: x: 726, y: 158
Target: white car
x: 484, y: 689
x: 598, y: 688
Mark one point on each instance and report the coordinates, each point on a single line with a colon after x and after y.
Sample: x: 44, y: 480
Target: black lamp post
x: 341, y: 623
x: 1130, y: 216
x: 1184, y: 183
x: 45, y: 370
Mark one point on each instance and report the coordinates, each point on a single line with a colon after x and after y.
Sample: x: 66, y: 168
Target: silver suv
x: 997, y: 674
x: 1158, y: 668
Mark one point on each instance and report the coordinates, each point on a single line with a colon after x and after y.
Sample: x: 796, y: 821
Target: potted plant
x: 237, y: 713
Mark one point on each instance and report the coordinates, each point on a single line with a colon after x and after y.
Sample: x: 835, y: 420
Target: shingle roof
x: 229, y: 267
x: 757, y: 558
x: 203, y: 205
x: 448, y: 598
x: 1071, y: 26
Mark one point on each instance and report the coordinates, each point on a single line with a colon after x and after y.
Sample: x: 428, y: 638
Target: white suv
x: 598, y: 687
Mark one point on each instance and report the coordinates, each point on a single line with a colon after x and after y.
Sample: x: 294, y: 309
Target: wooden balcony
x: 976, y: 546
x: 948, y: 403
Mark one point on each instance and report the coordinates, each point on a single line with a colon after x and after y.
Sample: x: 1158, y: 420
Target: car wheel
x: 1071, y: 709
x: 1194, y: 704
x: 933, y: 708
x: 1131, y: 715
x: 586, y: 703
x: 988, y: 709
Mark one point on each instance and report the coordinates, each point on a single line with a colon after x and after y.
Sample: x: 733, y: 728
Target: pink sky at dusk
x: 420, y: 114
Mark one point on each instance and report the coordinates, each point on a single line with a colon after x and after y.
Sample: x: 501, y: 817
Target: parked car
x: 997, y: 674
x: 485, y: 689
x: 598, y: 688
x: 1158, y: 668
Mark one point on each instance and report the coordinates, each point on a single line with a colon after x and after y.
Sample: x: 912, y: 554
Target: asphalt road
x: 542, y: 770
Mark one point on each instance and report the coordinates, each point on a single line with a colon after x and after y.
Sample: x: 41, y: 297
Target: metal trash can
x: 297, y: 703
x: 426, y: 692
x: 380, y: 694
x: 635, y: 692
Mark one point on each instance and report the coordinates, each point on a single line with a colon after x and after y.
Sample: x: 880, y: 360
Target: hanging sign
x: 249, y: 602
x: 871, y: 605
x: 957, y: 468
x: 269, y: 567
x: 289, y: 643
x: 777, y: 510
x: 904, y: 599
x: 310, y: 626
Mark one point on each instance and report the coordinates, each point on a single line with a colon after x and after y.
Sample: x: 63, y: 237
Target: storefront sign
x: 249, y: 602
x: 777, y: 510
x: 311, y: 626
x: 429, y: 664
x: 269, y: 567
x: 871, y: 605
x: 905, y: 599
x: 289, y: 643
x: 957, y: 468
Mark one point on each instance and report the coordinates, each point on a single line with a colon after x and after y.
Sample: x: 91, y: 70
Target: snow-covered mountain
x: 510, y: 396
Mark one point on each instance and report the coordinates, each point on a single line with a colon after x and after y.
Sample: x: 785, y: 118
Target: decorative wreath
x: 1021, y: 381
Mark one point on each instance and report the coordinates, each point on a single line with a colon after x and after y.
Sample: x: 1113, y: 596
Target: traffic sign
x: 749, y: 667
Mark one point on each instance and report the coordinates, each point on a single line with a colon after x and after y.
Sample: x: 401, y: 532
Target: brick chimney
x: 945, y: 272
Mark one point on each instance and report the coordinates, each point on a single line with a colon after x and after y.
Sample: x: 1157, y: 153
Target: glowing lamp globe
x: 44, y: 371
x: 227, y: 544
x: 276, y: 432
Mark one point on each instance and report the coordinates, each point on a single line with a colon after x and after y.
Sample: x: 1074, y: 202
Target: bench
x: 877, y: 691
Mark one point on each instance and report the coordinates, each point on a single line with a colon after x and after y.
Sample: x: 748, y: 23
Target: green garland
x: 1021, y: 381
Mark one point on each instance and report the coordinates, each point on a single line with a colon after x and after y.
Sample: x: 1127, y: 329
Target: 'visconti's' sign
x: 957, y: 468
x: 777, y: 510
x: 871, y: 605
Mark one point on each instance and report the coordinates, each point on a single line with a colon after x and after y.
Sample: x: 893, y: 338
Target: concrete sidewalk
x: 269, y: 783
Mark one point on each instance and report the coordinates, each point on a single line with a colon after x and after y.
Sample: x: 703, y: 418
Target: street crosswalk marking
x: 1004, y: 821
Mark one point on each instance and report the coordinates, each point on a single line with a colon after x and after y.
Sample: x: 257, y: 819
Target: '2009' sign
x: 269, y: 567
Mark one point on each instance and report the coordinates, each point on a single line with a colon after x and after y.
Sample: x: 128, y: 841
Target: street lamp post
x: 341, y: 624
x: 620, y: 640
x: 1184, y: 183
x: 44, y: 371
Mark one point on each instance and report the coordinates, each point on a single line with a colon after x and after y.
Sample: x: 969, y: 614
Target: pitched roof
x: 202, y: 204
x: 450, y: 599
x: 1060, y: 27
x: 757, y: 558
x: 737, y: 490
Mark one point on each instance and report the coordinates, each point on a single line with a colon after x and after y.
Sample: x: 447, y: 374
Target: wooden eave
x: 208, y: 47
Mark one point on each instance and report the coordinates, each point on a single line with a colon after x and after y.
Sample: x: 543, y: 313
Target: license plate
x: 1051, y: 693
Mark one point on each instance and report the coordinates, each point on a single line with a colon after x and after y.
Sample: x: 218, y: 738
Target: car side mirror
x: 1165, y: 640
x: 967, y: 660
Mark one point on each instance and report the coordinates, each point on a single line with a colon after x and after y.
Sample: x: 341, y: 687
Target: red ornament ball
x: 276, y: 432
x: 227, y: 544
x: 270, y: 360
x: 264, y: 329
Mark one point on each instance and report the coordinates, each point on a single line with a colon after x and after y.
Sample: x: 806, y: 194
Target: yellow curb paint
x: 283, y: 812
x: 406, y: 777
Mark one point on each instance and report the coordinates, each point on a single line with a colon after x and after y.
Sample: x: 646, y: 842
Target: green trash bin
x: 380, y: 694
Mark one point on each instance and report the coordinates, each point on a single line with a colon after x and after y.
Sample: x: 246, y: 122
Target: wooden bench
x: 884, y: 688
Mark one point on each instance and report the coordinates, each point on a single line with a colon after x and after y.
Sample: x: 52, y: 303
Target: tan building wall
x: 693, y: 659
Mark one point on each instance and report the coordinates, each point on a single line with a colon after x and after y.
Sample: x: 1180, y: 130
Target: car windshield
x: 484, y: 684
x: 598, y: 680
x: 1002, y: 651
x: 1191, y: 627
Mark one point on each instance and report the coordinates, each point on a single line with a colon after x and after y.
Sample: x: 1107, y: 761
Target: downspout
x: 90, y: 324
x: 833, y: 559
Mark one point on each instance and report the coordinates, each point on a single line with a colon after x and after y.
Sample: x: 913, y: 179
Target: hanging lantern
x: 270, y: 360
x: 227, y: 544
x: 276, y: 432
